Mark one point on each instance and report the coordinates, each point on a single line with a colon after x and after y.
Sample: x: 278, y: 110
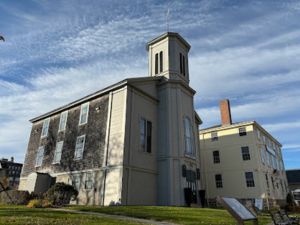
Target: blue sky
x: 58, y: 51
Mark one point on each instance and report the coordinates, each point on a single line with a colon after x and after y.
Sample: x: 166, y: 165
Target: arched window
x: 188, y: 137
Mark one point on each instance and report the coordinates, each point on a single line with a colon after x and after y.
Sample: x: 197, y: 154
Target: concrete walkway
x: 131, y: 219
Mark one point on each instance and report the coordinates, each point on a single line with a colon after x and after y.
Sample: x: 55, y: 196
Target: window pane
x: 188, y: 136
x: 149, y: 134
x: 242, y: 131
x: 84, y: 113
x: 45, y: 127
x: 58, y: 151
x: 39, y: 156
x: 143, y: 134
x: 63, y: 121
x: 79, y: 147
x: 214, y: 136
x: 183, y: 65
x: 156, y: 63
x: 161, y: 61
x: 180, y: 56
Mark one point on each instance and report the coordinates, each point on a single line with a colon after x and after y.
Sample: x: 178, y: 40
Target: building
x: 133, y: 143
x: 241, y: 160
x: 10, y: 172
x: 293, y: 178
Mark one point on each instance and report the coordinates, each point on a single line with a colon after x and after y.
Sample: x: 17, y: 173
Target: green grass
x: 20, y: 215
x: 179, y: 215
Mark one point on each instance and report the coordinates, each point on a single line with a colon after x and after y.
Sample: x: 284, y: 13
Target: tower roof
x: 168, y: 34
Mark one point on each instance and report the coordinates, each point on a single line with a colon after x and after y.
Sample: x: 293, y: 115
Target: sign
x: 238, y: 210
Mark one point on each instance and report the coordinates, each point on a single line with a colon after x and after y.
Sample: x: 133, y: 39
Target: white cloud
x: 282, y: 127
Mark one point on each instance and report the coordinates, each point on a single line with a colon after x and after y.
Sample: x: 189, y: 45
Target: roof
x: 235, y: 125
x: 168, y: 34
x: 121, y: 84
x: 293, y: 176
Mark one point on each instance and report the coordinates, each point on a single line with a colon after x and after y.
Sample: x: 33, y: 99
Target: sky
x: 58, y: 51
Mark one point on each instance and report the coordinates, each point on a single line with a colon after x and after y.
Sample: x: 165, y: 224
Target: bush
x: 61, y: 194
x: 35, y: 203
x: 15, y: 197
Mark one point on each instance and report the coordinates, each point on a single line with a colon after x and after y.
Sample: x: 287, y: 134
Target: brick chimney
x: 225, y: 112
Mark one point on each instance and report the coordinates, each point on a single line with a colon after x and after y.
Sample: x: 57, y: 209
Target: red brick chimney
x: 225, y: 112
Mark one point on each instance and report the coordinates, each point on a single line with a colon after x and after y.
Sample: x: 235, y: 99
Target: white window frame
x: 87, y: 104
x: 58, y: 151
x: 39, y: 156
x: 188, y: 137
x: 45, y: 128
x: 62, y: 127
x: 78, y: 156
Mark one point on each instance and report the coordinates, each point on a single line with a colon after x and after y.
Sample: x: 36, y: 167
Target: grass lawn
x: 20, y: 215
x: 179, y: 215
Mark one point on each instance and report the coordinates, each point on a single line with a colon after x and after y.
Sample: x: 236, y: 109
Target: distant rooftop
x: 238, y: 124
x: 293, y: 176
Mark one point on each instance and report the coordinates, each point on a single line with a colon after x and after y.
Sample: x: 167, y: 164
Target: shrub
x: 15, y: 197
x: 35, y: 203
x: 61, y: 194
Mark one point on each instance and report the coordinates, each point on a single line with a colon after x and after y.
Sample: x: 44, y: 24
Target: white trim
x: 87, y: 113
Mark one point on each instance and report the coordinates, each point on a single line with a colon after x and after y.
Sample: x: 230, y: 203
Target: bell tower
x: 168, y: 56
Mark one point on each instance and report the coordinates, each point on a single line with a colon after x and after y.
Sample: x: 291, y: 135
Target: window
x: 273, y: 184
x: 57, y: 153
x: 156, y: 63
x: 262, y: 154
x: 145, y: 135
x: 45, y: 127
x: 188, y: 137
x: 216, y: 156
x: 242, y: 131
x: 245, y: 153
x: 180, y: 58
x: 76, y: 181
x: 249, y: 179
x: 84, y: 112
x: 258, y: 134
x: 161, y: 61
x: 79, y: 147
x: 219, y: 183
x: 39, y: 156
x: 182, y: 64
x: 88, y: 184
x: 214, y: 136
x: 63, y: 121
x: 267, y: 180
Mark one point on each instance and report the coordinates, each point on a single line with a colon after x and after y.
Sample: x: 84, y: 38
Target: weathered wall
x: 93, y: 153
